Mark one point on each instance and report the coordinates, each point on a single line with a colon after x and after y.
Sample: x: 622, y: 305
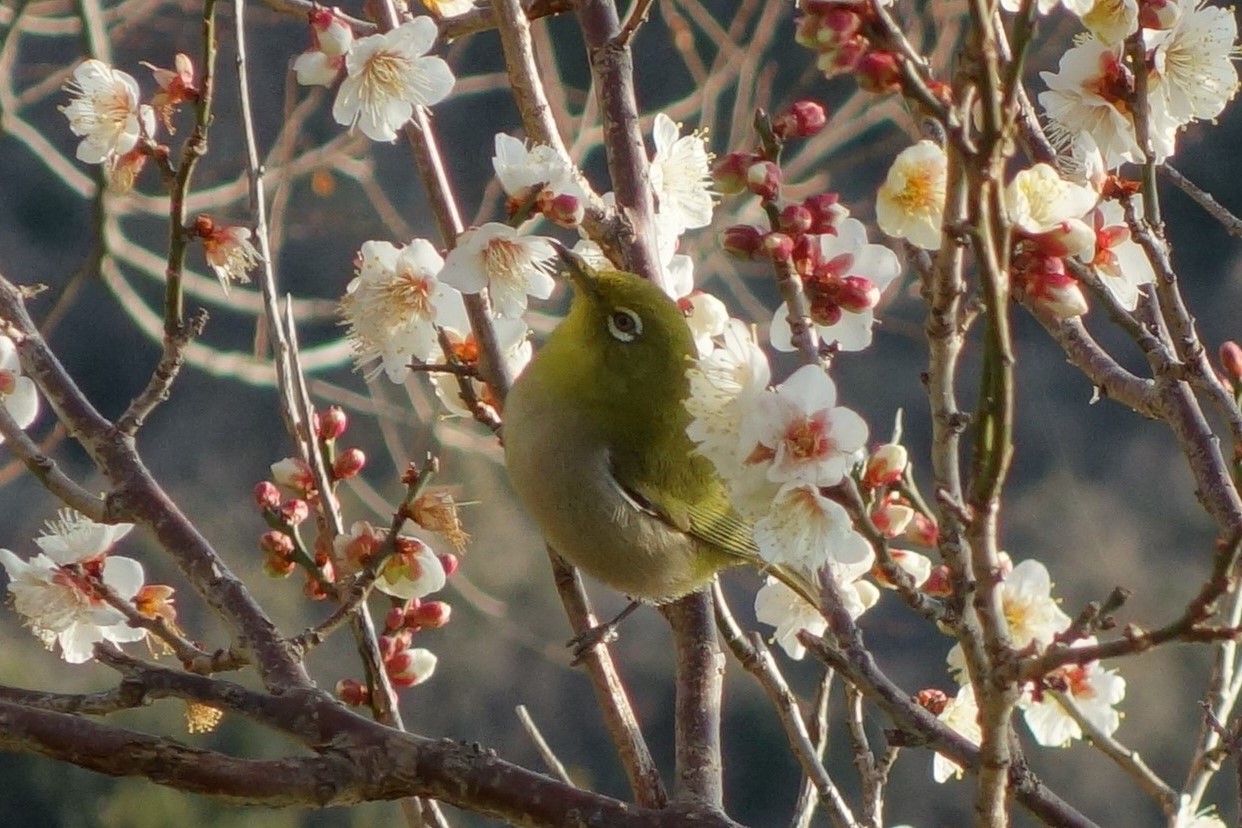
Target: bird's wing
x: 714, y: 521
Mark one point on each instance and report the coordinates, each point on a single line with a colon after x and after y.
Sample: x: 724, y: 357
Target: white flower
x: 910, y: 202
x: 449, y: 8
x: 393, y: 304
x: 520, y: 169
x: 1091, y: 689
x: 680, y: 176
x: 1204, y: 819
x: 1089, y: 95
x: 799, y: 432
x: 497, y: 257
x: 848, y: 278
x: 707, y: 317
x: 388, y: 75
x: 106, y: 112
x: 17, y: 393
x: 413, y: 571
x: 723, y: 386
x: 1119, y: 261
x: 55, y: 590
x: 293, y: 476
x: 410, y: 666
x: 1194, y: 62
x: 229, y: 251
x: 1040, y: 201
x: 1078, y: 7
x: 779, y: 606
x: 73, y: 537
x: 333, y: 38
x: 961, y: 714
x: 807, y: 530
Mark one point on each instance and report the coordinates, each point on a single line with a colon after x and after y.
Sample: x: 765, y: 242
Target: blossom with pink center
x: 799, y: 434
x: 1092, y: 689
x: 844, y: 279
x: 229, y: 250
x: 413, y: 571
x: 17, y: 393
x: 779, y: 606
x: 807, y: 531
x: 1119, y: 261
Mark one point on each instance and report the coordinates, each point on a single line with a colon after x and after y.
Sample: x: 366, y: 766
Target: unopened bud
x: 778, y: 246
x: 858, y: 294
x: 1073, y: 237
x: 1054, y: 290
x: 267, y: 496
x: 331, y: 423
x: 410, y: 667
x: 885, y: 466
x: 432, y: 614
x: 938, y: 583
x: 394, y: 619
x: 450, y: 562
x: 352, y: 692
x: 879, y: 72
x: 333, y: 35
x: 795, y: 219
x: 933, y: 701
x: 802, y: 120
x: 1159, y: 14
x: 1231, y: 361
x: 348, y: 464
x: 763, y: 178
x: 294, y: 511
x: 826, y: 211
x: 276, y: 543
x: 892, y: 518
x: 742, y: 241
x: 566, y: 210
x: 278, y: 566
x: 923, y: 530
x: 729, y: 174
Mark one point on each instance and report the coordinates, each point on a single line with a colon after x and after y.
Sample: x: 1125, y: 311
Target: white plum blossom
x: 229, y: 251
x: 1206, y: 818
x: 1119, y: 261
x: 799, y: 434
x: 413, y: 571
x: 1194, y: 62
x: 510, y: 265
x: 333, y: 38
x: 1039, y: 201
x: 56, y: 590
x: 807, y: 531
x: 1089, y: 94
x: 393, y: 304
x: 680, y: 177
x: 1092, y: 689
x: 1077, y: 7
x: 910, y: 202
x: 520, y: 169
x: 960, y: 714
x: 387, y: 76
x: 707, y: 317
x: 846, y: 283
x: 779, y: 606
x: 723, y: 386
x: 18, y: 395
x: 105, y: 112
x: 449, y: 8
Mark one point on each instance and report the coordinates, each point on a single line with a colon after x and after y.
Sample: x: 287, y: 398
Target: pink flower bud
x: 276, y: 543
x: 566, y: 210
x: 410, y: 667
x: 922, y: 530
x: 348, y: 464
x: 804, y: 119
x: 333, y: 36
x: 1159, y: 14
x: 331, y: 423
x: 1231, y: 361
x: 450, y: 562
x: 858, y: 294
x: 879, y: 72
x: 1073, y: 237
x: 294, y: 511
x: 742, y: 241
x: 267, y: 496
x: 778, y: 246
x: 729, y: 174
x: 433, y: 614
x: 885, y: 466
x: 796, y: 219
x: 394, y: 619
x: 892, y: 518
x: 277, y: 566
x: 763, y: 178
x: 352, y: 692
x: 1052, y: 289
x: 938, y: 583
x: 933, y: 701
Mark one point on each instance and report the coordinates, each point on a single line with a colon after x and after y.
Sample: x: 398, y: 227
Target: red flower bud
x: 879, y: 72
x: 763, y: 178
x: 933, y: 701
x: 565, y: 210
x: 778, y: 246
x: 826, y: 210
x: 348, y: 464
x: 729, y: 174
x: 796, y: 219
x: 742, y: 241
x: 858, y: 294
x: 276, y: 543
x: 331, y: 423
x: 394, y: 619
x: 804, y: 119
x: 433, y: 614
x: 1231, y: 361
x: 294, y: 511
x: 352, y: 692
x: 267, y: 496
x: 450, y: 562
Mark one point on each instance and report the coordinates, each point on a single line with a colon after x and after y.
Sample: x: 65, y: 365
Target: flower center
x: 408, y: 294
x: 384, y: 75
x: 921, y: 196
x: 808, y: 439
x: 504, y: 261
x: 8, y: 382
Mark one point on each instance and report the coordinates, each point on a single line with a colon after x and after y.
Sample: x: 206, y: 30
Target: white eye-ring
x: 625, y: 325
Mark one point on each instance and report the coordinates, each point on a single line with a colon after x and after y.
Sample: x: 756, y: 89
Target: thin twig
x: 550, y: 759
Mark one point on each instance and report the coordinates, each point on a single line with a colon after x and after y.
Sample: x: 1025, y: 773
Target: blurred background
x: 1097, y: 493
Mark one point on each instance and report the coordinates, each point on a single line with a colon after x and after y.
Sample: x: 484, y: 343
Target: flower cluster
x: 74, y: 593
x: 385, y: 75
x: 845, y: 38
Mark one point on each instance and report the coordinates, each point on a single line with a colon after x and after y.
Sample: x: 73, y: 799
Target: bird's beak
x: 580, y: 274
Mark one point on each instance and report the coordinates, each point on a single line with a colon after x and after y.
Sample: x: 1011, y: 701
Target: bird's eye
x: 625, y: 325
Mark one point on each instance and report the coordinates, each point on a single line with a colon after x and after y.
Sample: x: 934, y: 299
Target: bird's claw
x: 587, y: 640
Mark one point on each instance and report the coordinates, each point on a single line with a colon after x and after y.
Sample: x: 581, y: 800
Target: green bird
x: 596, y: 446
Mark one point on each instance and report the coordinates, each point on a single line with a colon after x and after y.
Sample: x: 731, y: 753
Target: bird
x: 596, y: 447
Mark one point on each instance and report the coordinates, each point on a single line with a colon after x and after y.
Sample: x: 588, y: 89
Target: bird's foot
x: 587, y: 640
